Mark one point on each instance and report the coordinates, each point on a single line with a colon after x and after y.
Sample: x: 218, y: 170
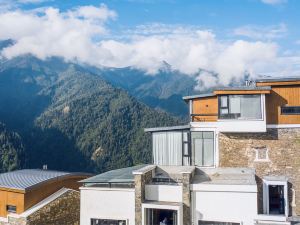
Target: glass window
x: 107, y: 222
x: 203, y: 148
x: 290, y: 110
x: 240, y: 107
x: 11, y: 208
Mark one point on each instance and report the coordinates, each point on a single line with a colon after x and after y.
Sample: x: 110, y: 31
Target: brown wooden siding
x: 11, y: 198
x: 24, y: 201
x: 35, y: 195
x: 282, y: 96
x: 205, y: 109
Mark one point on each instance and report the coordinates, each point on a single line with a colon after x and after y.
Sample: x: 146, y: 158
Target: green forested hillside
x: 11, y: 149
x: 163, y: 91
x: 72, y: 119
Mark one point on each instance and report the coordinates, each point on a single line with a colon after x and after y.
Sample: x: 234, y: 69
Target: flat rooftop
x: 124, y: 175
x: 278, y: 79
x: 225, y: 176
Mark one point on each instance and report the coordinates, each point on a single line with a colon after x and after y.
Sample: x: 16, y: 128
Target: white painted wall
x: 225, y: 206
x: 164, y: 193
x: 232, y: 125
x: 104, y: 203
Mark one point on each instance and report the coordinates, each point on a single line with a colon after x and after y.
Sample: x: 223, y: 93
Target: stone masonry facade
x: 64, y: 210
x: 276, y: 152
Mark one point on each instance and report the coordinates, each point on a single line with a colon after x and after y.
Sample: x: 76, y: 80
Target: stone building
x: 39, y: 197
x: 236, y: 162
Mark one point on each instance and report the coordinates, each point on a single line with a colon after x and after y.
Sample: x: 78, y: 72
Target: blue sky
x: 219, y: 15
x: 256, y: 36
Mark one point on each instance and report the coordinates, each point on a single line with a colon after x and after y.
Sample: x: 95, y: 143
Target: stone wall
x: 276, y: 152
x: 63, y: 210
x: 186, y: 197
x: 140, y: 181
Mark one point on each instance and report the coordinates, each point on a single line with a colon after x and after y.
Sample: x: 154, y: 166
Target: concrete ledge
x: 144, y: 170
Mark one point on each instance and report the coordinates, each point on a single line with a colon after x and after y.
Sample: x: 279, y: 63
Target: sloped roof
x: 123, y: 175
x: 24, y: 179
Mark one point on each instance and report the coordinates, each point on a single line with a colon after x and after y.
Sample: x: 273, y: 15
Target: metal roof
x: 158, y: 129
x: 278, y: 79
x: 241, y: 88
x: 198, y: 96
x: 124, y: 175
x: 24, y: 179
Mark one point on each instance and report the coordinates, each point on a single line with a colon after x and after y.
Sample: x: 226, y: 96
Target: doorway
x: 161, y: 217
x: 276, y: 200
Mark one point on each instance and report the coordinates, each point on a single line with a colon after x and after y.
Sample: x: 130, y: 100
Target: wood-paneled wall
x: 207, y: 107
x: 24, y: 200
x: 281, y: 96
x: 10, y: 197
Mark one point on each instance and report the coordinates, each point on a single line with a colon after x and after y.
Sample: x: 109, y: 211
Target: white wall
x: 104, y: 203
x: 225, y: 206
x: 164, y: 193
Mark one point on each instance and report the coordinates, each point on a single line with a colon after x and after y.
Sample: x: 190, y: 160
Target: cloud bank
x: 82, y: 34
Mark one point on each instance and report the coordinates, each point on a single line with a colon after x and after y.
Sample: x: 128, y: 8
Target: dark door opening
x: 161, y: 217
x: 276, y: 199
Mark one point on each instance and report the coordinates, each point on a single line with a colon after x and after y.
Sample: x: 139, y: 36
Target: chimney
x: 45, y: 167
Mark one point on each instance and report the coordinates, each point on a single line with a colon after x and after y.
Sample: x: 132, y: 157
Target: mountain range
x: 81, y: 118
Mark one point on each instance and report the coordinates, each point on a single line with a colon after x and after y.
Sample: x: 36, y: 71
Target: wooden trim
x: 241, y: 92
x: 281, y: 83
x: 12, y: 190
x: 209, y: 114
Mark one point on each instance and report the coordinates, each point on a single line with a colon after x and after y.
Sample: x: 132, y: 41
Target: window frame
x: 111, y: 219
x: 11, y: 210
x: 229, y: 116
x: 204, y: 222
x: 289, y: 107
x: 266, y: 199
x: 193, y: 150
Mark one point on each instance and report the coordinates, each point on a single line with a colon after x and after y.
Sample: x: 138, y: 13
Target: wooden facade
x: 282, y: 96
x: 24, y: 200
x: 205, y: 109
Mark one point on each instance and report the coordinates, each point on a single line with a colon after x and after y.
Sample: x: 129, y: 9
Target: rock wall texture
x: 65, y: 210
x: 140, y: 181
x: 276, y: 152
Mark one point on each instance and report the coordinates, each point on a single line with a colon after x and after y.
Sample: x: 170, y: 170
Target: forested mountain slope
x: 71, y: 119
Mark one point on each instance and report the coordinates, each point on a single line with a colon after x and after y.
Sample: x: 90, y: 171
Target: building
x: 26, y: 195
x: 236, y: 162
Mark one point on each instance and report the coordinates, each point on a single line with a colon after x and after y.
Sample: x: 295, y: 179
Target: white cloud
x: 262, y: 32
x: 81, y: 34
x: 274, y: 2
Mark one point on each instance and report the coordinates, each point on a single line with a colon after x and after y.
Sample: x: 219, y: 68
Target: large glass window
x: 167, y: 148
x: 240, y: 107
x: 203, y: 148
x: 107, y: 222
